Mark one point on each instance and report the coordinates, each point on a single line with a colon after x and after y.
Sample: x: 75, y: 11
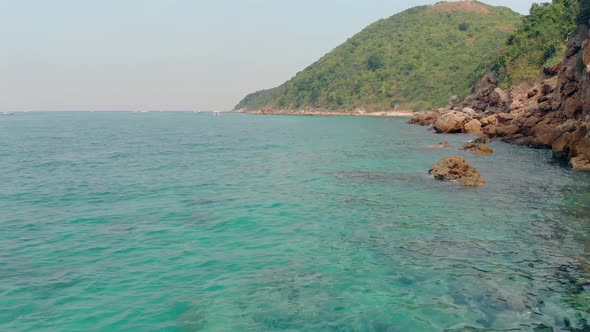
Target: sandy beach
x: 400, y: 113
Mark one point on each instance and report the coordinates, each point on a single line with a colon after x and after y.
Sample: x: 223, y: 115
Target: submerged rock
x: 444, y: 144
x: 482, y: 139
x: 456, y: 168
x: 477, y: 148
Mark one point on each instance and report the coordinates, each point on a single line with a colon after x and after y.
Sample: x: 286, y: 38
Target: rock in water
x: 477, y: 148
x: 482, y: 139
x: 580, y: 162
x: 455, y: 168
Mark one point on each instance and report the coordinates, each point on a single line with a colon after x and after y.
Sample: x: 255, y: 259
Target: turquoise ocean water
x: 188, y: 222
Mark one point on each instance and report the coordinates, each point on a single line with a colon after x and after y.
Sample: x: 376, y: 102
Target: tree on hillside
x: 375, y: 62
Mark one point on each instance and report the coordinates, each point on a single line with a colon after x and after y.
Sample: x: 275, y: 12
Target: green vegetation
x: 539, y: 42
x: 416, y: 59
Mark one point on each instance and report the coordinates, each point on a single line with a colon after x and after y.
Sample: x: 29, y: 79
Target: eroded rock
x: 580, y: 162
x: 489, y: 120
x: 505, y: 117
x: 451, y: 122
x: 425, y: 118
x: 472, y: 127
x: 502, y: 131
x: 469, y: 112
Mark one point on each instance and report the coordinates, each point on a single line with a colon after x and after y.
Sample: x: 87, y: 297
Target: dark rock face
x: 456, y: 168
x: 488, y: 97
x: 558, y: 117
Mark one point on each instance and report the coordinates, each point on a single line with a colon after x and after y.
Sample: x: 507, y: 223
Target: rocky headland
x: 553, y: 113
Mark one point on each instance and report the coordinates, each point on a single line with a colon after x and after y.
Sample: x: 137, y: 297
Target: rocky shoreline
x: 553, y: 113
x: 550, y: 114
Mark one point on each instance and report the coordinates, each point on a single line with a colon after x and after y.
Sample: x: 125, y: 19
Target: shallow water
x: 188, y: 222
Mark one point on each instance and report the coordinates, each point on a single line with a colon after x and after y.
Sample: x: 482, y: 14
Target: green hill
x: 540, y: 41
x: 415, y: 59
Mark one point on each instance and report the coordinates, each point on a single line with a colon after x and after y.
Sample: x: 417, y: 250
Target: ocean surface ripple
x: 188, y: 222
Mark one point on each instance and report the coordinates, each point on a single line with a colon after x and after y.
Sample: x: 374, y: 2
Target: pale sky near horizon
x: 169, y: 55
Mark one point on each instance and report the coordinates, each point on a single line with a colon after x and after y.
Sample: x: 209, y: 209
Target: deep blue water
x: 188, y: 222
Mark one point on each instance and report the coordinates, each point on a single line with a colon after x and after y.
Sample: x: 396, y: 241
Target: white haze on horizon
x: 169, y: 55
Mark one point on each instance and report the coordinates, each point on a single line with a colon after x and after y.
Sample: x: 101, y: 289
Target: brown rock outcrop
x: 469, y: 112
x: 505, y: 117
x: 489, y: 120
x: 456, y: 168
x: 509, y: 130
x: 553, y: 113
x: 451, y: 122
x: 472, y: 127
x: 580, y: 162
x: 425, y: 118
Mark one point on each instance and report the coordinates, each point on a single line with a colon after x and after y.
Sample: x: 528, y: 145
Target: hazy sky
x: 169, y: 54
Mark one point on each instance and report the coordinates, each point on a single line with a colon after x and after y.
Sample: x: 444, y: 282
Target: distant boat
x: 7, y: 113
x: 216, y: 113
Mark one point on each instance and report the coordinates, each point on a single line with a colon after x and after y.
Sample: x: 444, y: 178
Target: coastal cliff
x: 537, y: 92
x: 552, y: 113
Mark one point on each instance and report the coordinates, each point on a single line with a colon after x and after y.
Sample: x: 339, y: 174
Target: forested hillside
x: 415, y: 59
